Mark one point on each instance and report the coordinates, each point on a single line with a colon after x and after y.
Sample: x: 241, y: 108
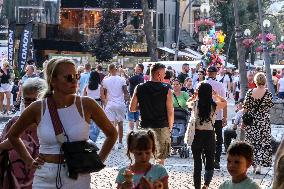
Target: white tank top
x: 74, y: 124
x: 94, y: 94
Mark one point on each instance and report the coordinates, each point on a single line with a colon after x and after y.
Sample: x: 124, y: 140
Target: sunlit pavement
x: 180, y: 170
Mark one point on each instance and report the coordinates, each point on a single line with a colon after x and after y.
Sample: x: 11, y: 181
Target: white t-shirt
x: 281, y: 84
x: 225, y: 81
x: 113, y: 85
x: 94, y: 94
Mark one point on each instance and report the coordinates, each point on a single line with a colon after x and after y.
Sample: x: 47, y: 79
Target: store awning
x: 180, y: 53
x: 197, y: 54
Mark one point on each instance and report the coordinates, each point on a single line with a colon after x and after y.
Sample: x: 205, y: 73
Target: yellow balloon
x: 221, y: 39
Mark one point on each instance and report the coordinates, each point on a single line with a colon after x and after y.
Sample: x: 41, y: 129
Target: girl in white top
x: 75, y: 114
x: 95, y: 91
x: 204, y: 108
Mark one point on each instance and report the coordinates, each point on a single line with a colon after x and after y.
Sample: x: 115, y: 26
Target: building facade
x: 62, y: 25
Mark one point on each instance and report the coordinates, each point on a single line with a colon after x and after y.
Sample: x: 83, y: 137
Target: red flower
x: 281, y: 46
x: 259, y: 49
x: 248, y: 43
x: 203, y: 25
x: 268, y: 37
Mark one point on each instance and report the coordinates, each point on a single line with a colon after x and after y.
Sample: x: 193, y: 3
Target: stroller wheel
x: 181, y: 154
x: 187, y: 153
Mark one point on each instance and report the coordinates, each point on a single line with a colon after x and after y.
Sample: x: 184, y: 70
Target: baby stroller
x: 181, y: 118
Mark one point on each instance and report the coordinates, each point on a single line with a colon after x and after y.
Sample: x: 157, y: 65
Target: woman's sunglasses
x: 72, y: 77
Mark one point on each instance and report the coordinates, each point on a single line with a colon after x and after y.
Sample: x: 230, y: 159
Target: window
x: 154, y: 20
x: 161, y: 21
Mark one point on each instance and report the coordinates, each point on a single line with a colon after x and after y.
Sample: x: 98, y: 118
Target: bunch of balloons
x: 212, y: 47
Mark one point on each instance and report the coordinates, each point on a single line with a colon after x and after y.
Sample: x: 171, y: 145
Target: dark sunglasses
x: 29, y: 100
x: 72, y: 77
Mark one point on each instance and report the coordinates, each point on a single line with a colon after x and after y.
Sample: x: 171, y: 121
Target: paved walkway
x: 180, y: 170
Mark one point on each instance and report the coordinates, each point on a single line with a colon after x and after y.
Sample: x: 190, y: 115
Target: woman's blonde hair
x: 51, y: 71
x: 259, y: 79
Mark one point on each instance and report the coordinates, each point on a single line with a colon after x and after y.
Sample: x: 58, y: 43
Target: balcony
x: 77, y: 34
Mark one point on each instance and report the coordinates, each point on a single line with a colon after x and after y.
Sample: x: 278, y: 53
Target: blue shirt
x: 134, y: 81
x: 84, y: 80
x: 245, y: 184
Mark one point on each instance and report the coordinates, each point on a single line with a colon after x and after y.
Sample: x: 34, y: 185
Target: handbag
x: 190, y: 130
x: 80, y: 156
x: 179, y: 111
x: 248, y: 117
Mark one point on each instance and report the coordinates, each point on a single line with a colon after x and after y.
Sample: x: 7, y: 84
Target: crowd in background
x: 114, y: 91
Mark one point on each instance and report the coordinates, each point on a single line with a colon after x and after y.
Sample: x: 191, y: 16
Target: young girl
x: 141, y: 145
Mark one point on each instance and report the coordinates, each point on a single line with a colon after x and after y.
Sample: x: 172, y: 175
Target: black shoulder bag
x: 180, y: 112
x: 248, y: 117
x: 80, y: 156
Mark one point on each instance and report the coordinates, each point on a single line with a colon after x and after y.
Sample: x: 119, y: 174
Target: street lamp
x: 179, y: 29
x: 247, y: 32
x: 266, y: 23
x: 282, y: 38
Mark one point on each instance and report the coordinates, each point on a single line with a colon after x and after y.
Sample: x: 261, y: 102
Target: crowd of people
x: 92, y: 100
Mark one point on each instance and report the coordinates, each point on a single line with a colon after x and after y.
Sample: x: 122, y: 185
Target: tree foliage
x: 111, y: 38
x: 224, y: 14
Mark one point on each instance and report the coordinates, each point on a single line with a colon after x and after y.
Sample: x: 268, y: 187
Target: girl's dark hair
x: 94, y: 80
x: 203, y: 73
x: 169, y: 74
x: 205, y: 102
x: 148, y: 71
x: 140, y: 140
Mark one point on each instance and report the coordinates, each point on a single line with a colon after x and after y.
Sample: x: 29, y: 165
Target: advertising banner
x: 24, y: 46
x: 11, y: 42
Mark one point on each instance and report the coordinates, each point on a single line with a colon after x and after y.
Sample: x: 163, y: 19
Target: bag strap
x: 56, y: 122
x: 146, y: 172
x: 176, y: 99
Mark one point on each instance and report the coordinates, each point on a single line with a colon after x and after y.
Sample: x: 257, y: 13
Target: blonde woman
x: 258, y: 102
x: 75, y: 113
x: 5, y: 87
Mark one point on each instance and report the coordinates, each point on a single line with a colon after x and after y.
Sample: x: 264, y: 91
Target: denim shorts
x: 133, y: 116
x: 45, y: 177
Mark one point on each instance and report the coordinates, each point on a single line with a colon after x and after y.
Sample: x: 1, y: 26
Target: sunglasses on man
x: 70, y: 78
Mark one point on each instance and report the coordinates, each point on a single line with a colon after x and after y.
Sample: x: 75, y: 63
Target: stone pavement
x: 180, y: 170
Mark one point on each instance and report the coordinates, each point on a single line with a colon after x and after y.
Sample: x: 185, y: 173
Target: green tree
x: 111, y: 38
x: 223, y: 13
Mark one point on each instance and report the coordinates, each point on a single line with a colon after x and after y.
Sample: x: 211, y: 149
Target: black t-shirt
x: 134, y: 81
x: 152, y: 97
x: 182, y: 77
x: 5, y: 77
